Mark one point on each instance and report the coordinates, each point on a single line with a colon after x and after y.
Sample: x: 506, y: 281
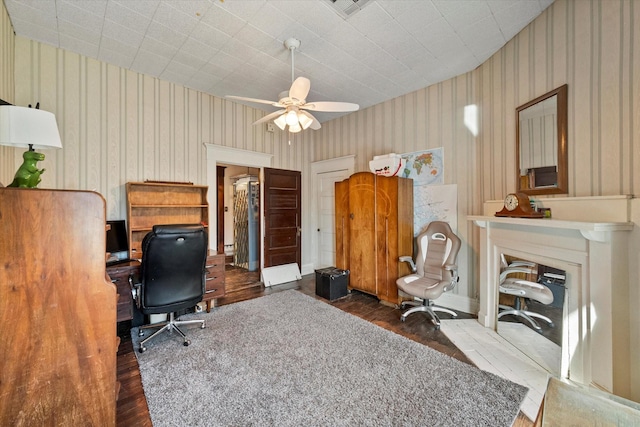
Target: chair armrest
x: 510, y: 270
x: 410, y: 261
x: 450, y: 267
x: 520, y: 263
x: 135, y: 286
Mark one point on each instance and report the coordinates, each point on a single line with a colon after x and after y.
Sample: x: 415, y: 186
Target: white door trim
x: 231, y: 156
x: 323, y: 166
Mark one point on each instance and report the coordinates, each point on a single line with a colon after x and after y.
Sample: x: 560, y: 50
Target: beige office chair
x: 521, y: 288
x: 434, y: 271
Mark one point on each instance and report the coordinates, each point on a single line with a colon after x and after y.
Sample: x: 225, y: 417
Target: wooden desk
x: 120, y: 273
x: 58, y: 364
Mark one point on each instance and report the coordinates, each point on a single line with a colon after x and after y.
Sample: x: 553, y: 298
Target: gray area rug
x: 287, y: 359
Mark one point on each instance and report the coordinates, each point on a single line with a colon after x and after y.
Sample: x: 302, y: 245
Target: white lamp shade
x: 21, y: 126
x: 305, y: 121
x: 281, y: 121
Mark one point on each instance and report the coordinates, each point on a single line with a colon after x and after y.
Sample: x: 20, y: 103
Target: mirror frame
x: 563, y: 163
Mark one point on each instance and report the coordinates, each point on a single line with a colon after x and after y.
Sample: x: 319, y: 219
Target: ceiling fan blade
x: 331, y: 107
x: 300, y: 88
x: 259, y: 101
x: 269, y: 116
x: 315, y: 124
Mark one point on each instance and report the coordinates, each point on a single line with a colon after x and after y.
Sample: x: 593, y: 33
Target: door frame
x: 232, y: 156
x: 317, y: 168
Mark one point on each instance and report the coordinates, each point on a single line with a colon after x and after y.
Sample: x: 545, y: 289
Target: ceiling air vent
x: 347, y: 8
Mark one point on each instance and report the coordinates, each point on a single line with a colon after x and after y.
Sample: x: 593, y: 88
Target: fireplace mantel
x: 596, y: 231
x: 596, y: 340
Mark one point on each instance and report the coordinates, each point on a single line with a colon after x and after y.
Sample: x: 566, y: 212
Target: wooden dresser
x: 58, y: 356
x: 214, y: 287
x: 119, y: 275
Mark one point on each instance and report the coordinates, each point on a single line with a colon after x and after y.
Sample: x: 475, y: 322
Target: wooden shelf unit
x: 151, y: 203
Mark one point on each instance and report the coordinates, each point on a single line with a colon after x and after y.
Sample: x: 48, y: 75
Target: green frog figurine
x: 28, y: 175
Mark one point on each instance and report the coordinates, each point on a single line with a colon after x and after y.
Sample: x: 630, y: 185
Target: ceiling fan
x: 294, y: 111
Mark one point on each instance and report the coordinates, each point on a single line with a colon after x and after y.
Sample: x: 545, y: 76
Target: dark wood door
x: 282, y: 210
x: 220, y: 216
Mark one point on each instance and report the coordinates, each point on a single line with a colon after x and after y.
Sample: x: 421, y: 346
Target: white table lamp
x: 32, y: 128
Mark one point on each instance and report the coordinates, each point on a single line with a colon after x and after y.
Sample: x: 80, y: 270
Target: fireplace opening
x: 531, y: 310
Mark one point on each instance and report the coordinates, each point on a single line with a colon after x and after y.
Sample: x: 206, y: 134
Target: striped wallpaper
x: 7, y: 40
x: 119, y: 126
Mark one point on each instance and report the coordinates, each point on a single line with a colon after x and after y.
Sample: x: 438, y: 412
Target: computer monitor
x: 117, y: 240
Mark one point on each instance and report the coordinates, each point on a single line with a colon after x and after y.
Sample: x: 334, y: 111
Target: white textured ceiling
x: 235, y: 47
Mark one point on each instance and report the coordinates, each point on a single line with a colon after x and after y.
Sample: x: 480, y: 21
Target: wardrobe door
x: 405, y: 225
x: 387, y: 237
x: 362, y: 235
x: 342, y: 224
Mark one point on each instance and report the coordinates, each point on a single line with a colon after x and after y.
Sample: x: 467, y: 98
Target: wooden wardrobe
x: 374, y: 226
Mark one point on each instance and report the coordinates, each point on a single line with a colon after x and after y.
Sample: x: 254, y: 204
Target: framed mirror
x: 541, y: 144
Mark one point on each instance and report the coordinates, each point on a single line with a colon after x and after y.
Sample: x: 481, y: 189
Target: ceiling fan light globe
x: 305, y: 121
x: 281, y: 122
x: 295, y: 128
x: 292, y: 118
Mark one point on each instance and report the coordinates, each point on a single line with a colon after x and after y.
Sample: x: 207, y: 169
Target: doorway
x: 238, y: 228
x: 324, y: 175
x: 236, y: 162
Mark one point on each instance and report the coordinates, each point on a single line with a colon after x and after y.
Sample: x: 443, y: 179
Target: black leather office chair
x: 172, y: 275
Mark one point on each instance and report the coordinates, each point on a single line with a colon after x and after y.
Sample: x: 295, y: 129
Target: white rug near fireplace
x: 493, y: 353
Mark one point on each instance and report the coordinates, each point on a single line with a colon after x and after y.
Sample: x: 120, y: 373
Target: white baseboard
x: 459, y: 303
x: 307, y: 269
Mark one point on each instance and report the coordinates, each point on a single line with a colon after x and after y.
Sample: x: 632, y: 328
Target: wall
x: 594, y: 47
x: 7, y: 41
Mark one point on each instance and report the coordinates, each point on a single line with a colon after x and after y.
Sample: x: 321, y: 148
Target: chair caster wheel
x: 437, y: 327
x: 203, y: 326
x: 140, y: 333
x: 142, y: 349
x: 552, y: 325
x: 402, y: 319
x: 186, y: 343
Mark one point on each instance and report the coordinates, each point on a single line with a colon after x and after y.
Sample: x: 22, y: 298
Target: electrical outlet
x: 270, y: 127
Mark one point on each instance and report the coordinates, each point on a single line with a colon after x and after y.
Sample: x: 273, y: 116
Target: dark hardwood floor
x: 132, y: 407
